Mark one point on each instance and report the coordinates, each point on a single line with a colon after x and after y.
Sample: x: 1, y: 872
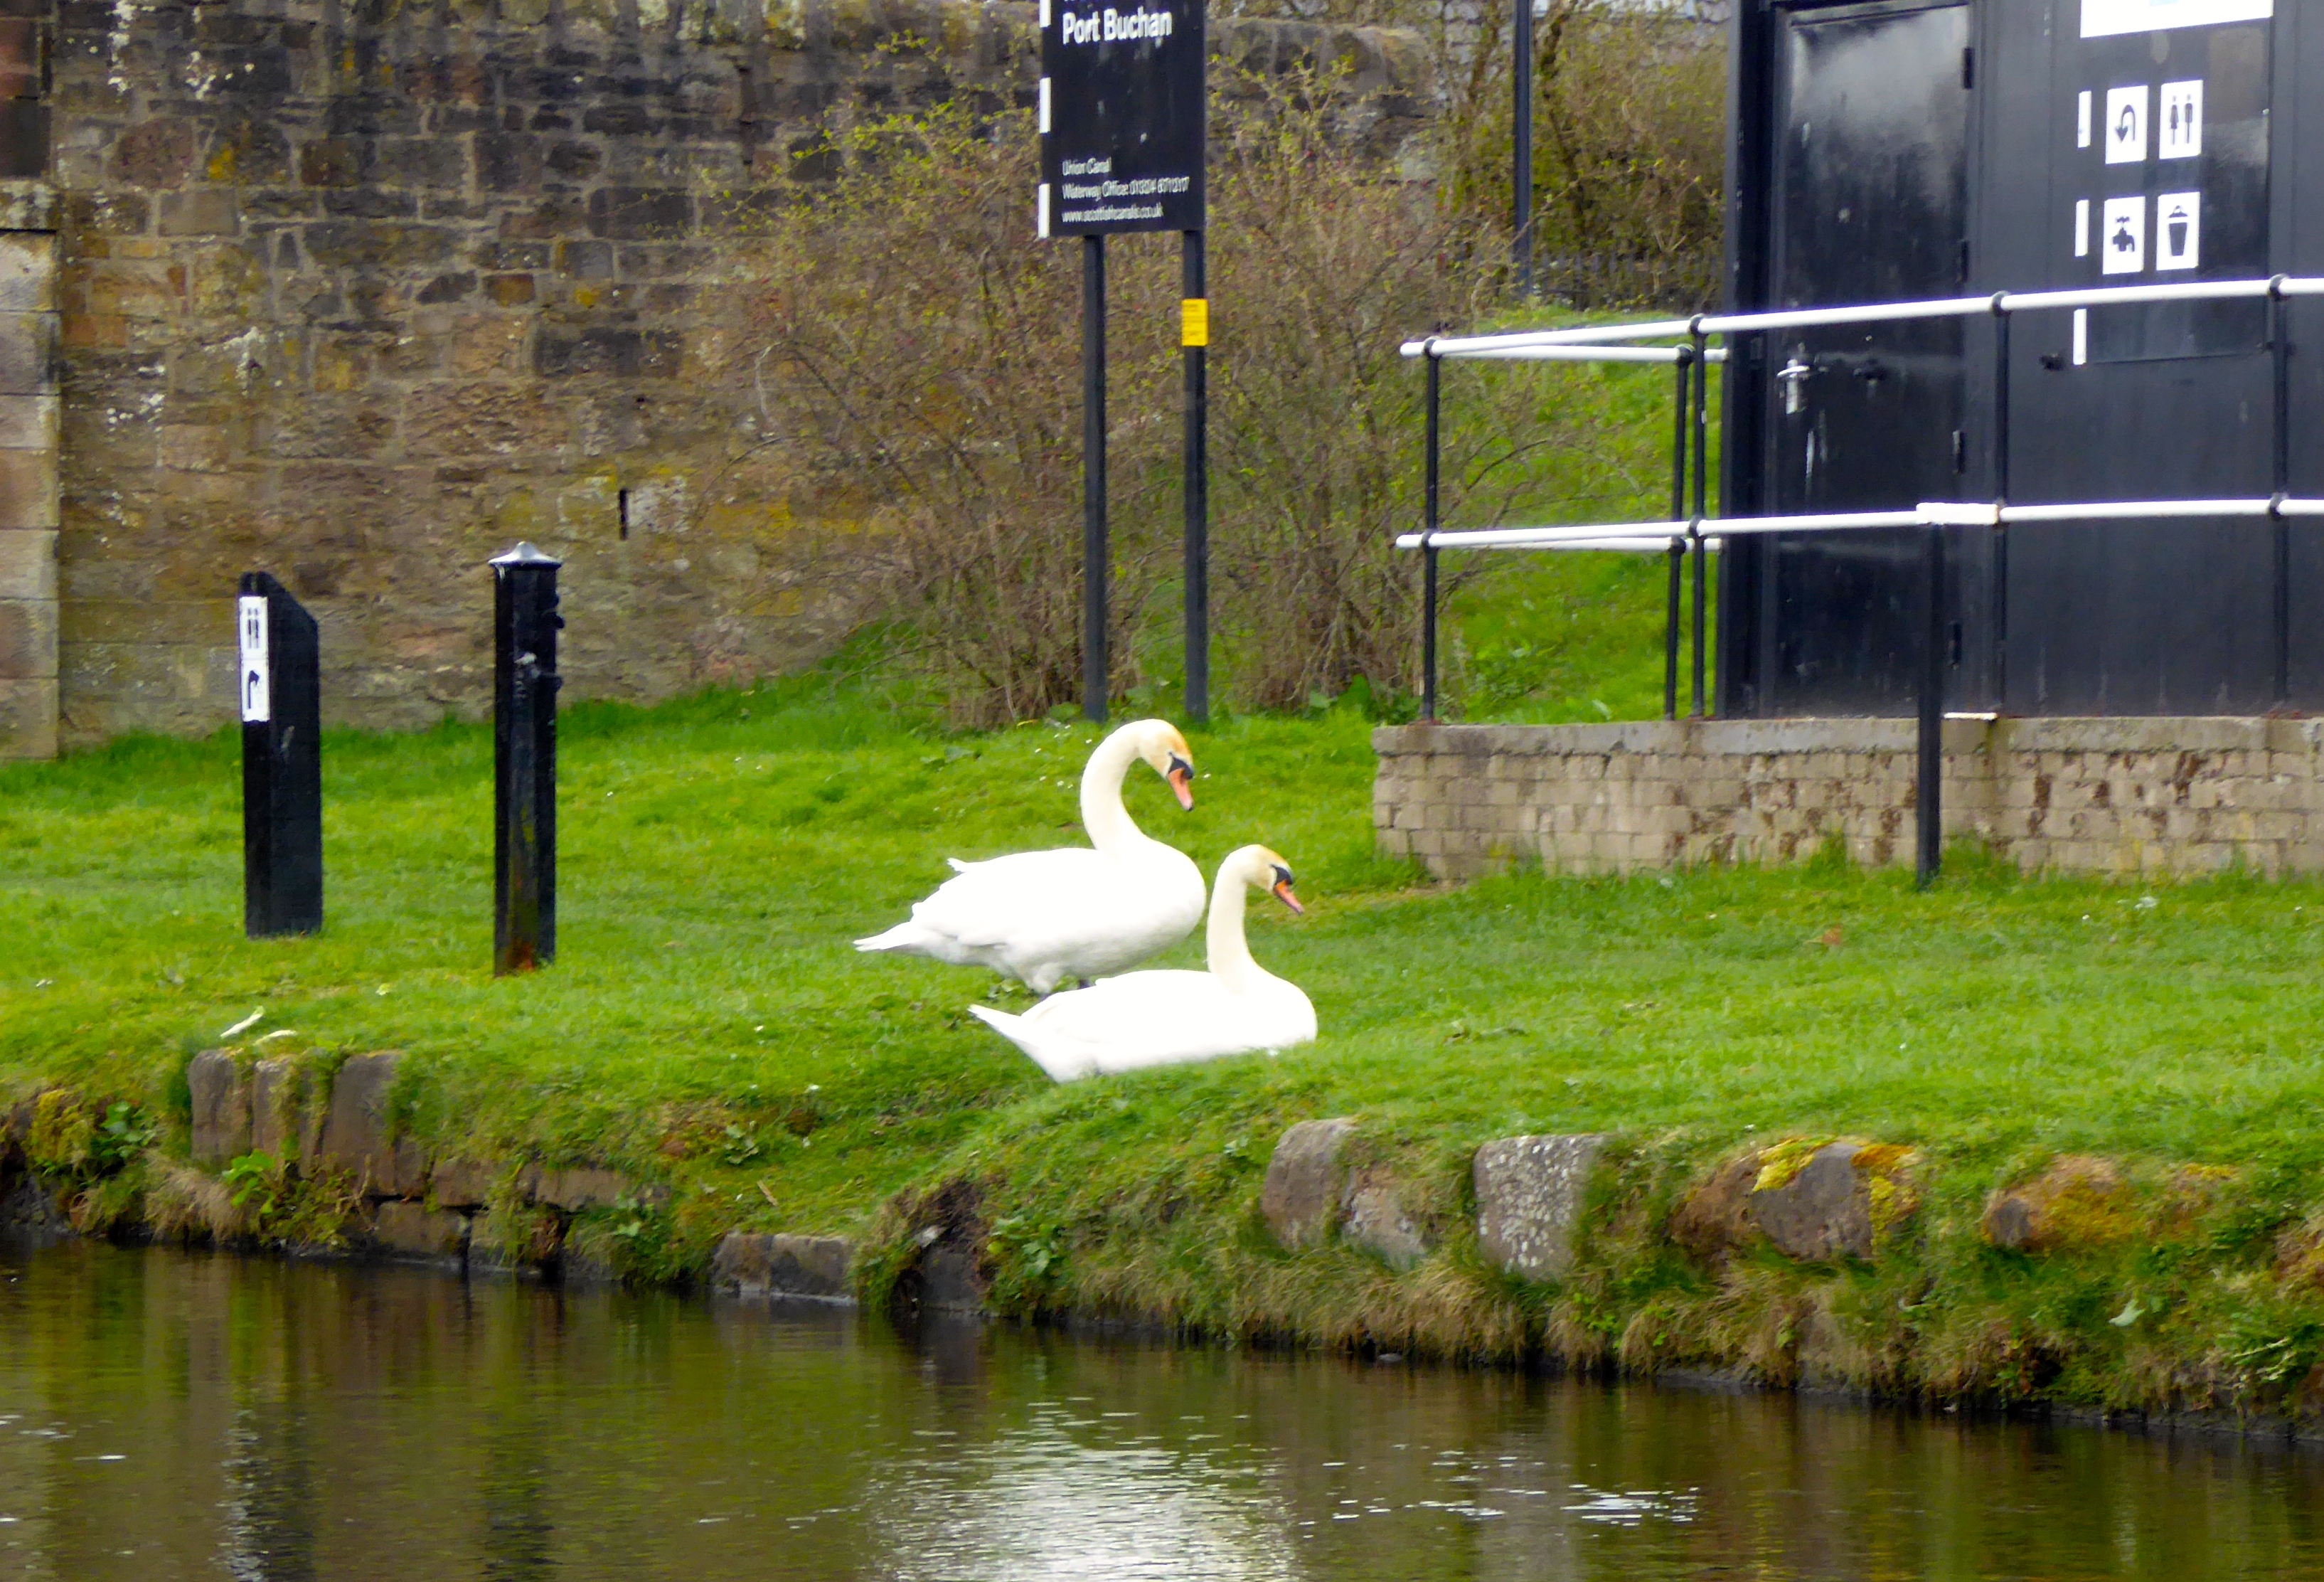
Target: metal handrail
x: 1658, y: 535
x: 1586, y: 354
x: 1684, y: 533
x: 2004, y: 302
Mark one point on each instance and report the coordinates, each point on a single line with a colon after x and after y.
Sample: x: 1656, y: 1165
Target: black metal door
x: 1870, y: 203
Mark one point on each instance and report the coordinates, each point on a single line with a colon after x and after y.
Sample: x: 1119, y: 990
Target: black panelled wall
x: 1907, y: 150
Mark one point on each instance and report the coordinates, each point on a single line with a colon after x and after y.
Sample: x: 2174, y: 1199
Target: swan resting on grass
x: 1174, y: 1018
x: 1043, y: 917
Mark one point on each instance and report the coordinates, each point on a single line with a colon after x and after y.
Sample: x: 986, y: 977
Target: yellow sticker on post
x: 1195, y: 321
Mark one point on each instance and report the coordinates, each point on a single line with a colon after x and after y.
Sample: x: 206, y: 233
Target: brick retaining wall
x: 2104, y: 796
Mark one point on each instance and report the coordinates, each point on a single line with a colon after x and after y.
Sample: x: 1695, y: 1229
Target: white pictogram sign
x: 2178, y: 230
x: 249, y: 614
x: 2122, y: 236
x: 2103, y: 19
x: 2179, y: 121
x: 2125, y: 127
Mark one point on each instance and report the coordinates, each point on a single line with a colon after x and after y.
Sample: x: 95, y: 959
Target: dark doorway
x: 1870, y: 202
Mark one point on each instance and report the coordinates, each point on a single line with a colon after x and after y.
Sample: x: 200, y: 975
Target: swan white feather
x: 1043, y: 917
x: 1171, y: 1017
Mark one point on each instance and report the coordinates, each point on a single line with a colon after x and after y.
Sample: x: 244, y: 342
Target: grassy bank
x: 708, y: 1025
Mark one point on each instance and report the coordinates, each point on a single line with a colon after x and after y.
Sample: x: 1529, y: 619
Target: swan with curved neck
x: 1158, y: 742
x: 1143, y: 1018
x: 1043, y: 917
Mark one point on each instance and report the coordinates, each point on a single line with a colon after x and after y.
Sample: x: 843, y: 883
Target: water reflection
x: 165, y: 1416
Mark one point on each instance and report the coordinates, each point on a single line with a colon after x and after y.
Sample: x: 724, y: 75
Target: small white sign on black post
x: 256, y: 707
x: 1124, y: 113
x: 279, y: 678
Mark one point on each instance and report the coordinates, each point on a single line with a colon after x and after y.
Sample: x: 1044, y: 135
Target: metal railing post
x: 2000, y: 398
x: 2279, y: 347
x: 1427, y: 547
x: 1677, y: 545
x: 1702, y: 497
x: 1928, y: 809
x: 1521, y: 146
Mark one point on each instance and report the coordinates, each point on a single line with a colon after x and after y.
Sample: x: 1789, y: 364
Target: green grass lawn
x: 707, y: 1022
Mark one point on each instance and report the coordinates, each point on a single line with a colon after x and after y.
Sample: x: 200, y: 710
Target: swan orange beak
x: 1283, y: 893
x: 1182, y: 781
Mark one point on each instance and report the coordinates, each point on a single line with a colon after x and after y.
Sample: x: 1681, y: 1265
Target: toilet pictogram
x: 2180, y: 135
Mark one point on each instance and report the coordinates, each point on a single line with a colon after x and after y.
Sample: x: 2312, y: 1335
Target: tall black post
x: 1195, y: 337
x: 280, y: 684
x: 1428, y: 545
x: 1093, y: 547
x: 524, y: 760
x: 1521, y: 147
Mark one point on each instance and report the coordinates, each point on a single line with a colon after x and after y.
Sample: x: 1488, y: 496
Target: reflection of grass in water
x: 708, y: 1024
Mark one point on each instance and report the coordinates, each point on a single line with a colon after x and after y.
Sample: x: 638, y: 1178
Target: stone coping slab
x: 1866, y: 734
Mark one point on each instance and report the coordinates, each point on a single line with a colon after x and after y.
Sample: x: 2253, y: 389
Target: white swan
x: 1171, y: 1018
x: 1047, y: 916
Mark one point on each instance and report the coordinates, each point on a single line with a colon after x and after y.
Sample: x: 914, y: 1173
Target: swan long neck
x: 1103, y: 814
x: 1228, y: 951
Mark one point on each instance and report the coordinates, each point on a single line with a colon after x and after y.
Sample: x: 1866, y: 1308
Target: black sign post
x: 279, y: 683
x: 524, y: 760
x: 1521, y: 149
x: 1195, y: 337
x: 1124, y: 109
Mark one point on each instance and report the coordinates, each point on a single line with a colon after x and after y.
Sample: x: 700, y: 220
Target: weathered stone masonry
x: 362, y: 293
x: 2102, y: 796
x: 28, y: 461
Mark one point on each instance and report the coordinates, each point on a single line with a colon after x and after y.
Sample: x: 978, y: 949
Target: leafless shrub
x: 1326, y: 265
x: 927, y: 351
x: 1629, y: 139
x: 1631, y: 154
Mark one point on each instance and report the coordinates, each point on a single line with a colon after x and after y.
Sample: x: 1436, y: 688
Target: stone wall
x: 363, y: 293
x: 2122, y: 796
x: 28, y: 465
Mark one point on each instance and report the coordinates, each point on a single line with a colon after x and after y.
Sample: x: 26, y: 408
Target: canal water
x: 166, y: 1415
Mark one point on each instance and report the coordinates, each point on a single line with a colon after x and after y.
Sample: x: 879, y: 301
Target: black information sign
x: 1122, y: 117
x: 2169, y: 159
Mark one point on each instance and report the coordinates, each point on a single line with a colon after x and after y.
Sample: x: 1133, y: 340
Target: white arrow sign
x: 257, y: 706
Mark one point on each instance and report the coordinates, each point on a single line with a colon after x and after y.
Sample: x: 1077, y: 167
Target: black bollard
x: 281, y: 701
x: 524, y: 760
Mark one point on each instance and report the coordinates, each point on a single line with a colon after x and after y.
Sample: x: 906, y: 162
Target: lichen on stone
x: 1785, y: 1160
x: 2079, y: 1201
